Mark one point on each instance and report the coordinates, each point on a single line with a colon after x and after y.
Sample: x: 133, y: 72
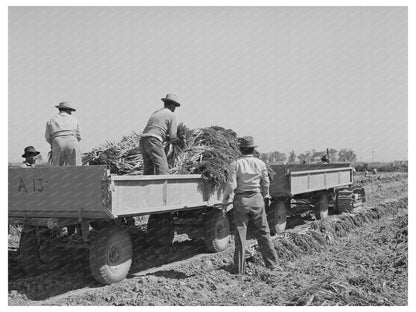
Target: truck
x: 87, y: 207
x: 296, y: 188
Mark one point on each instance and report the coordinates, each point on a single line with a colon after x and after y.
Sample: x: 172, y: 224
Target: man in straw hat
x: 160, y: 129
x: 249, y: 181
x: 62, y: 133
x: 29, y: 155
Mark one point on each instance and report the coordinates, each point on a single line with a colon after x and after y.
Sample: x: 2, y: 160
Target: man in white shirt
x: 249, y: 181
x: 62, y: 133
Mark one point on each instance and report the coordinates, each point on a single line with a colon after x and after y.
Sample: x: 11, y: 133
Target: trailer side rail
x: 321, y: 179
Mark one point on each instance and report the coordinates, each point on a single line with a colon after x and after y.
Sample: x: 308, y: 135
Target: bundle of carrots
x: 206, y: 151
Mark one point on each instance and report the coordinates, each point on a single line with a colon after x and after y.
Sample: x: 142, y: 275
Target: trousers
x: 66, y: 151
x: 154, y: 156
x: 246, y: 207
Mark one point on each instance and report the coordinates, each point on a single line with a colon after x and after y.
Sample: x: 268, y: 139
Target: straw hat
x: 30, y: 150
x: 171, y: 98
x: 246, y: 141
x: 65, y: 105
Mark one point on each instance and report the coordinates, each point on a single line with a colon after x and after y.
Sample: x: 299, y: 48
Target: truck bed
x: 296, y: 179
x: 91, y: 192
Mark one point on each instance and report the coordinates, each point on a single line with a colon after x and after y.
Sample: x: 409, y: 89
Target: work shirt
x: 161, y: 124
x: 247, y: 174
x: 62, y: 124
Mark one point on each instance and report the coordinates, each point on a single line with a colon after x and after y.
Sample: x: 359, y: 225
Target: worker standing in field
x: 62, y: 133
x: 160, y: 128
x: 249, y: 181
x: 29, y: 155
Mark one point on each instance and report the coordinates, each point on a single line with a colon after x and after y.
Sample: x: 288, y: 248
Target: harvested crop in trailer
x: 206, y: 151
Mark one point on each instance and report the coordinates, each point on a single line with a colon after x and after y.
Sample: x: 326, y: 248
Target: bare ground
x: 351, y: 259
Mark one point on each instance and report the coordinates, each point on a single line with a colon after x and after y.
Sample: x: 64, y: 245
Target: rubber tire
x: 277, y: 216
x: 321, y: 207
x: 341, y: 209
x: 217, y: 232
x: 360, y: 190
x: 105, y: 241
x: 160, y: 229
x: 30, y: 258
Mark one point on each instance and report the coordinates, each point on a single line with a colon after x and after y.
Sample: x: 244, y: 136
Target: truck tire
x: 38, y: 257
x: 110, y: 255
x: 217, y: 231
x: 277, y: 216
x: 321, y: 207
x: 344, y: 201
x: 160, y: 229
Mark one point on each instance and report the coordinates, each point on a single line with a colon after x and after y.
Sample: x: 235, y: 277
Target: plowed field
x: 359, y: 258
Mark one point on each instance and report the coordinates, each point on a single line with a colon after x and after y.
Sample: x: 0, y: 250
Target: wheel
x: 160, y: 229
x: 217, y: 231
x: 277, y: 216
x: 360, y: 191
x: 38, y: 251
x: 344, y: 201
x: 321, y: 207
x: 110, y: 254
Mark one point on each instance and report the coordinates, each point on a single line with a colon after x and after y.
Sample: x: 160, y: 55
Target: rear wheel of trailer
x: 277, y: 216
x: 110, y: 254
x: 217, y: 231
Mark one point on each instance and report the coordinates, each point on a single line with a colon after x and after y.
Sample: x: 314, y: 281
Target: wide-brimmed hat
x: 30, y: 150
x: 246, y: 141
x: 170, y: 97
x: 65, y: 105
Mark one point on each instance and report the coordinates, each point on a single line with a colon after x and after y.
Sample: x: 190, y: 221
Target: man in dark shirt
x: 160, y: 128
x: 30, y: 157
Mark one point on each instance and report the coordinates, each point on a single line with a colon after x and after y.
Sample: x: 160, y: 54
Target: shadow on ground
x: 75, y: 273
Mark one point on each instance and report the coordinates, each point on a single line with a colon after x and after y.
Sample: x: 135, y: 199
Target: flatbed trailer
x: 87, y: 207
x: 297, y: 187
x: 86, y: 204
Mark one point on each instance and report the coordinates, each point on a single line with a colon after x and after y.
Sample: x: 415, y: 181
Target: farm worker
x: 249, y: 181
x: 160, y: 128
x: 324, y: 159
x: 29, y: 155
x: 62, y: 133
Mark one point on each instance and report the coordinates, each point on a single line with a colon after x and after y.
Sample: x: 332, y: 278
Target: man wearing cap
x: 160, y: 129
x: 29, y: 155
x: 249, y: 181
x: 62, y: 133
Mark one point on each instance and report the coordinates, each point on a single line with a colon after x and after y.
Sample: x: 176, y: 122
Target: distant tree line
x: 310, y: 156
x: 396, y: 166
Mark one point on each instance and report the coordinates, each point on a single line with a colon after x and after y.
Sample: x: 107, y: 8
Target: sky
x: 294, y: 78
